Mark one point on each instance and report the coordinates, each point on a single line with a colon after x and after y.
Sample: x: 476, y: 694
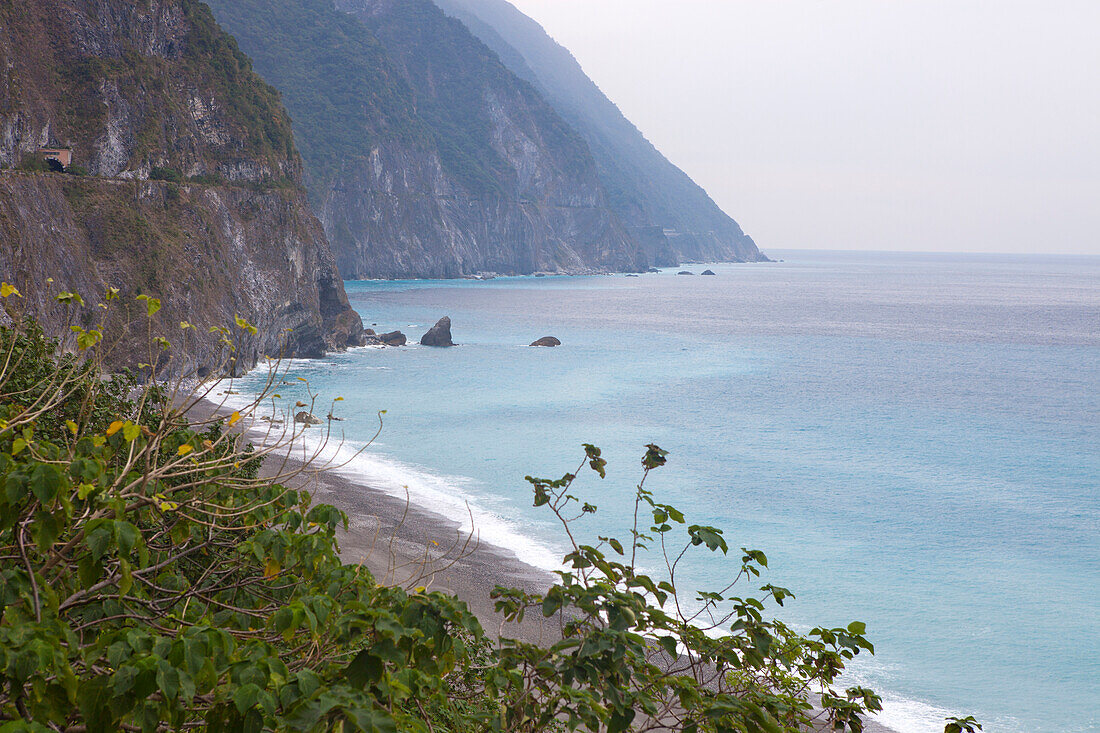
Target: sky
x: 920, y: 125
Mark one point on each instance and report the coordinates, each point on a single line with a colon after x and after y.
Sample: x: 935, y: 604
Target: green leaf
x: 245, y: 697
x: 131, y: 431
x: 152, y: 305
x: 44, y: 482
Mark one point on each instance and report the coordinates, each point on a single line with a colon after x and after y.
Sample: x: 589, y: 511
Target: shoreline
x: 403, y: 543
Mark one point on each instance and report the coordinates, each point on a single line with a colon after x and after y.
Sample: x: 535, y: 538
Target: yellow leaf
x: 131, y: 432
x: 71, y: 426
x: 234, y: 418
x: 114, y: 427
x: 168, y: 506
x: 6, y: 290
x: 184, y: 449
x: 272, y: 568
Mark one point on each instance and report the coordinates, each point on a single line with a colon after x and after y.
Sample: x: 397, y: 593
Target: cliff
x: 155, y: 89
x: 425, y: 155
x: 645, y: 188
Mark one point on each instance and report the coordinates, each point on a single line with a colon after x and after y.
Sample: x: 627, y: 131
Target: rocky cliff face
x: 449, y: 165
x: 155, y: 88
x: 646, y: 191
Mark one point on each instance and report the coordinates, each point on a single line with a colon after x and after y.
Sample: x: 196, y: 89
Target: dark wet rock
x: 439, y: 334
x: 369, y: 332
x: 685, y: 272
x: 393, y: 338
x: 707, y: 272
x: 653, y: 269
x: 306, y: 419
x: 546, y: 341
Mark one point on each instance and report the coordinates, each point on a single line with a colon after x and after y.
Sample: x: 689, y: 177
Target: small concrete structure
x: 64, y: 156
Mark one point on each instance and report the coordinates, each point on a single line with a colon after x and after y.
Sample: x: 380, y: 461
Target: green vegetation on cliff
x: 170, y: 84
x: 335, y: 77
x: 351, y: 79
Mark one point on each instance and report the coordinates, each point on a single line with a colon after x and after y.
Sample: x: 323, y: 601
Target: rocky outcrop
x: 393, y: 338
x: 685, y: 272
x: 546, y: 341
x: 306, y: 419
x: 210, y: 254
x: 707, y: 272
x: 156, y: 89
x: 439, y: 334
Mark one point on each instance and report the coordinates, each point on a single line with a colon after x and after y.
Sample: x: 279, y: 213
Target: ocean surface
x: 914, y: 440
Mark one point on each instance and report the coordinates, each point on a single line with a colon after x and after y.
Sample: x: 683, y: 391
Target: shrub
x: 207, y: 179
x: 34, y: 163
x: 77, y: 170
x: 165, y: 174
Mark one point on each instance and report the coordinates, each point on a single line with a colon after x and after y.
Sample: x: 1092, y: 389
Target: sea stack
x: 439, y: 334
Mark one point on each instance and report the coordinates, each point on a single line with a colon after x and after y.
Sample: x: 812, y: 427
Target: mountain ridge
x: 647, y: 190
x: 484, y: 177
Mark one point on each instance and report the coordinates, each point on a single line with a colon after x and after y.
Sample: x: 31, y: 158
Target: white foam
x: 449, y: 496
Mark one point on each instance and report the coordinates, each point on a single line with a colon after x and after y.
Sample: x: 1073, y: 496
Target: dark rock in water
x: 393, y: 338
x: 546, y: 341
x: 707, y: 272
x: 306, y: 419
x: 439, y: 334
x: 540, y: 274
x: 632, y: 275
x: 653, y: 269
x: 685, y: 272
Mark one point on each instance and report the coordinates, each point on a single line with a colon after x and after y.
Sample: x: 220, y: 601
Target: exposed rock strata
x: 209, y: 253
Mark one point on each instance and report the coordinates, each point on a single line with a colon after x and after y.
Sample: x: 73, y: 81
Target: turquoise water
x: 913, y: 439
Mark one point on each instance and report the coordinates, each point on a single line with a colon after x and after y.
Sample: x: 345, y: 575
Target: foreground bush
x: 149, y: 580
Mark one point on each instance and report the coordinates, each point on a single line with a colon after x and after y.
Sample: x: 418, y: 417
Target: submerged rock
x: 439, y: 334
x: 707, y: 272
x: 306, y: 419
x: 546, y: 341
x: 685, y: 272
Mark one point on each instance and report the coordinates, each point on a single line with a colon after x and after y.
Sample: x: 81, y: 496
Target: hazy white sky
x: 958, y: 125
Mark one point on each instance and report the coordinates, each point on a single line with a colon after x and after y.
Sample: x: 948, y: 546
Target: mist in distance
x: 923, y: 125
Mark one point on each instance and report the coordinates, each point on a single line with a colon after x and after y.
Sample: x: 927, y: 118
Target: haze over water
x: 913, y: 440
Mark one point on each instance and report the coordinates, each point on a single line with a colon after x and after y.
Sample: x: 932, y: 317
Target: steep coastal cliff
x: 645, y: 188
x: 426, y: 156
x: 157, y: 90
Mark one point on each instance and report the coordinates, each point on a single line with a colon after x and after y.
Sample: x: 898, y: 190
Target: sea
x: 912, y: 439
